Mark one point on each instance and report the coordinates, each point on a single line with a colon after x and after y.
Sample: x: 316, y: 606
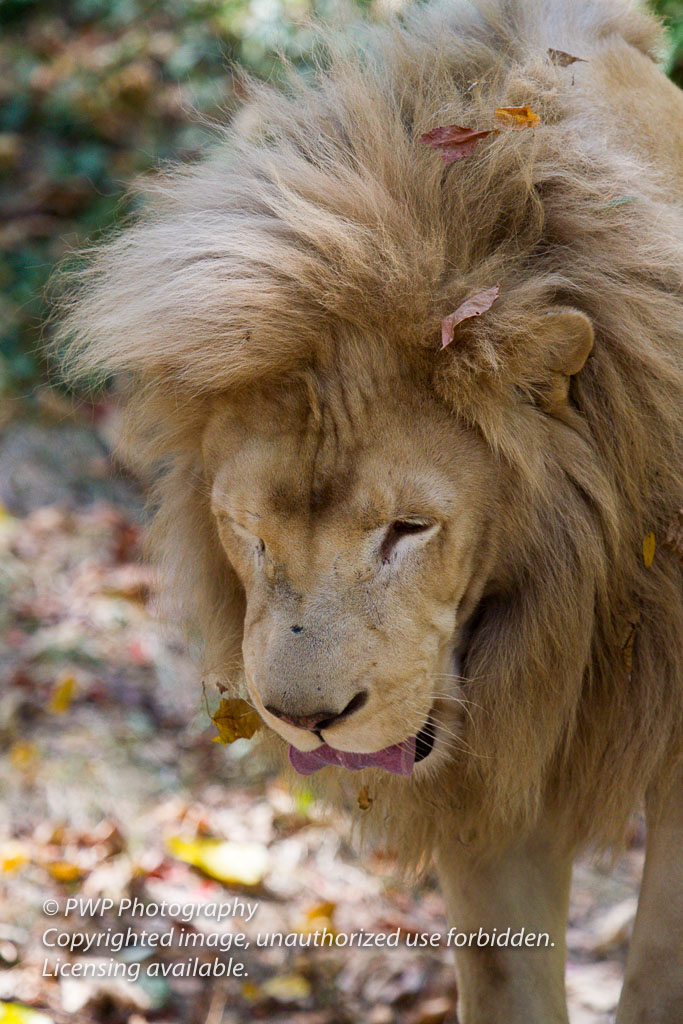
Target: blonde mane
x: 317, y: 223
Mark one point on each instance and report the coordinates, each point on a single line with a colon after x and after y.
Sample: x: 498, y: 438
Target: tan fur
x: 316, y: 255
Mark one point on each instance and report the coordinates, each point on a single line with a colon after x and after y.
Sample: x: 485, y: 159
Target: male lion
x: 427, y: 564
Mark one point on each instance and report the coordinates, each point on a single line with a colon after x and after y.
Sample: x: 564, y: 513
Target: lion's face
x: 361, y: 536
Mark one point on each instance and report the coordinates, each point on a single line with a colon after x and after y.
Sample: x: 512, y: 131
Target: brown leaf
x: 518, y: 117
x: 454, y: 141
x: 563, y: 59
x: 364, y: 799
x: 674, y: 534
x: 474, y: 306
x: 235, y: 719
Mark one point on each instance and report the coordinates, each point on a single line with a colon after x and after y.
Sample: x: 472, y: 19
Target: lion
x: 425, y: 563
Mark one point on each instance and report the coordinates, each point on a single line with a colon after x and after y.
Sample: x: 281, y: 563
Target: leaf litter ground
x: 114, y: 787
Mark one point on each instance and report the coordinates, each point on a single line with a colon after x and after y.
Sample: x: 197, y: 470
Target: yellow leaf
x: 7, y: 520
x: 65, y: 871
x: 251, y: 992
x: 235, y: 720
x: 22, y: 755
x: 227, y: 862
x: 318, y: 918
x: 15, y: 1013
x: 13, y: 855
x: 518, y: 117
x: 62, y: 694
x: 287, y: 988
x: 364, y: 799
x: 649, y: 548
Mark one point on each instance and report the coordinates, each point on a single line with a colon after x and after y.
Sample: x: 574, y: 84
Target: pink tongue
x: 398, y: 759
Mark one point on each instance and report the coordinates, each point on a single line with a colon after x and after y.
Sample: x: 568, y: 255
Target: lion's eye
x: 242, y: 532
x: 402, y: 529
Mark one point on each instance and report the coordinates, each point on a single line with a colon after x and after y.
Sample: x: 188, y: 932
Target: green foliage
x: 94, y: 93
x: 672, y: 13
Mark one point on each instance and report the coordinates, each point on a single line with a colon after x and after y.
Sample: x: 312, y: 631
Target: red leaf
x: 474, y: 306
x: 454, y: 141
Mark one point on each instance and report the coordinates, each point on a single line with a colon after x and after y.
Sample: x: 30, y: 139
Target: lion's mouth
x: 398, y: 759
x: 424, y: 741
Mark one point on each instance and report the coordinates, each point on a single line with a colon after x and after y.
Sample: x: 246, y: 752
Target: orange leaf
x: 454, y: 141
x: 364, y: 799
x: 474, y: 306
x: 318, y: 918
x: 65, y: 871
x: 563, y: 59
x: 518, y: 117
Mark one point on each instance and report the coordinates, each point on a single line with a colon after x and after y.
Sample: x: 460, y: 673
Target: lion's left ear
x: 568, y: 340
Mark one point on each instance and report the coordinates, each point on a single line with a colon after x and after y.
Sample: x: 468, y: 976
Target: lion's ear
x: 568, y: 340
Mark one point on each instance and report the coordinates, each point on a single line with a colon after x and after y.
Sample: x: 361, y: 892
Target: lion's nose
x: 319, y: 720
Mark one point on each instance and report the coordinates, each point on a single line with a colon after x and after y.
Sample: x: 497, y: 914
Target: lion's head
x: 364, y: 523
x: 406, y: 554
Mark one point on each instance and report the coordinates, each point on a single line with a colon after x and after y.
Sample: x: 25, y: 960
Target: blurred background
x: 112, y: 780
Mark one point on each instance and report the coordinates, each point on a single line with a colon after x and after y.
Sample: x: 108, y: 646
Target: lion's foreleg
x: 653, y: 987
x: 519, y: 903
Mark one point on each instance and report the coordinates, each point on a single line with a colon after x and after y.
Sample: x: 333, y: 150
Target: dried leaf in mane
x: 518, y: 117
x: 454, y: 141
x: 474, y: 306
x: 563, y: 59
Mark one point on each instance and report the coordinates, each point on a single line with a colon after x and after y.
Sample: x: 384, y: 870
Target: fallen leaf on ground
x: 518, y: 117
x: 454, y: 141
x: 15, y: 1013
x: 227, y: 862
x: 287, y: 988
x: 250, y: 991
x: 649, y: 548
x: 62, y: 695
x: 318, y: 918
x: 13, y: 855
x: 564, y: 59
x: 235, y: 719
x: 474, y: 306
x: 22, y: 755
x: 65, y: 871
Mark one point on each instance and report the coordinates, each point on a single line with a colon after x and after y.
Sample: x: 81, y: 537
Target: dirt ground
x: 113, y: 788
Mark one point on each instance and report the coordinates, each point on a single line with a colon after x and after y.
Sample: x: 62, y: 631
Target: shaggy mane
x: 318, y: 223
